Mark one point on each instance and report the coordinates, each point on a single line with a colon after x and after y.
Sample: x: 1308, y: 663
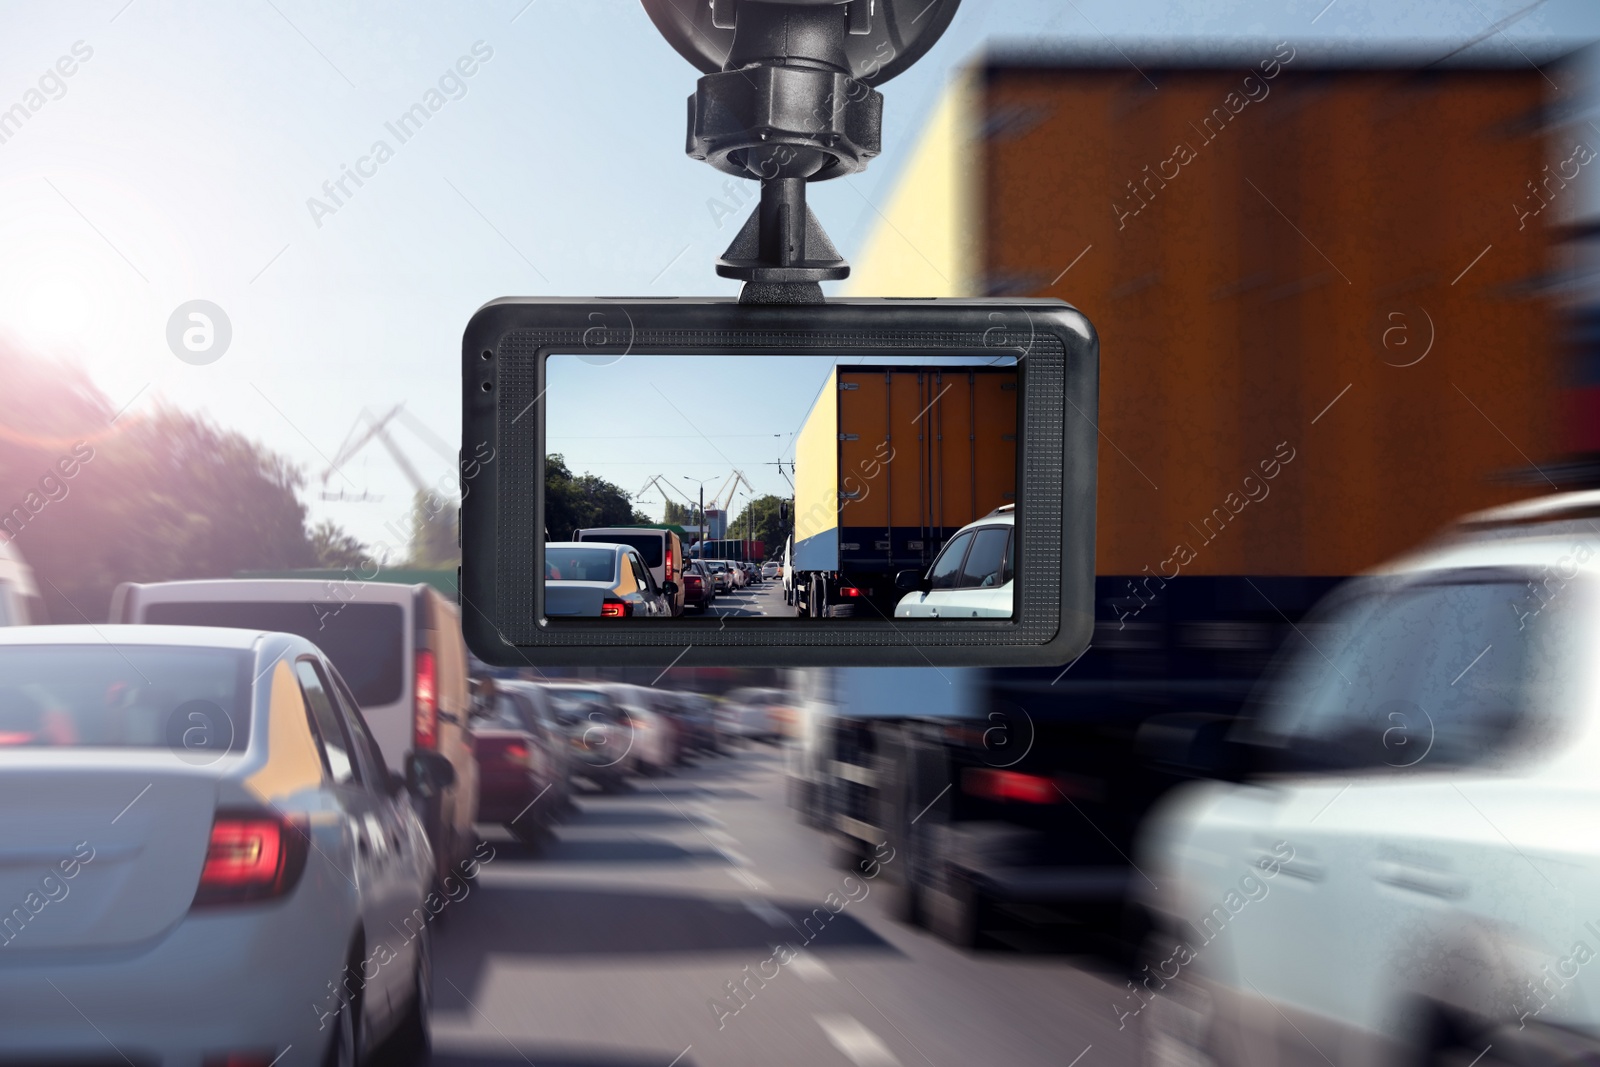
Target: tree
x: 91, y: 497
x: 336, y: 550
x: 687, y: 516
x: 769, y: 519
x: 575, y: 502
x: 435, y: 543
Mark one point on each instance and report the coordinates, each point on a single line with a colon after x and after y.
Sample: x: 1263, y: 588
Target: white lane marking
x: 748, y: 880
x: 863, y: 1047
x: 763, y: 910
x: 809, y: 968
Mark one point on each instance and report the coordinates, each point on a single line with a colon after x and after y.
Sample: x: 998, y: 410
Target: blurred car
x: 756, y: 714
x: 1402, y: 871
x: 661, y: 551
x: 20, y: 604
x: 970, y: 578
x: 597, y: 730
x: 399, y: 647
x: 524, y: 761
x: 221, y: 842
x: 699, y: 588
x: 592, y: 578
x: 737, y: 575
x: 696, y: 721
x: 722, y: 578
x: 771, y: 569
x: 655, y: 736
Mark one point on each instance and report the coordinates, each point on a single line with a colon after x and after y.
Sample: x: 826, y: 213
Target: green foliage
x: 155, y: 495
x: 334, y: 549
x: 434, y: 525
x: 575, y: 502
x: 765, y: 522
x: 683, y: 515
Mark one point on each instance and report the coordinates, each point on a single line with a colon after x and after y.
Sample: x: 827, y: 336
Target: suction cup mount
x: 788, y: 98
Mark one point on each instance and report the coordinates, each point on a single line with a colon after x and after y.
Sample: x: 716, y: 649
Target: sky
x: 185, y: 158
x: 694, y: 419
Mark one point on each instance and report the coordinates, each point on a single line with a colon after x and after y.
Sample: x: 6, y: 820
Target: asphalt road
x: 611, y: 945
x: 765, y: 598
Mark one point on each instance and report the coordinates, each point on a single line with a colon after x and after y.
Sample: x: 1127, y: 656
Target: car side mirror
x: 910, y: 581
x: 669, y: 588
x: 428, y: 772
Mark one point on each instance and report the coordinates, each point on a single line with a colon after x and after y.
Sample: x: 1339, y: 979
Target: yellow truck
x: 889, y: 464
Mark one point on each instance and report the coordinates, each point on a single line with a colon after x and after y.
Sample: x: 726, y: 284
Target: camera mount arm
x: 788, y: 98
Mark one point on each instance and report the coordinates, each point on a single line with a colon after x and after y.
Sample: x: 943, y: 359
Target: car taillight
x: 613, y: 608
x: 849, y: 590
x: 669, y: 566
x: 251, y: 857
x: 426, y: 699
x: 517, y: 753
x: 989, y: 784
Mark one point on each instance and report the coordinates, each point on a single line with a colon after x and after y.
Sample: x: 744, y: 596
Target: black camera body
x: 1044, y: 353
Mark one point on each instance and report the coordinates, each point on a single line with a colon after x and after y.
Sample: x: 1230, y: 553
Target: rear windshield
x: 580, y: 564
x: 577, y: 703
x: 649, y: 545
x: 125, y: 696
x: 366, y: 642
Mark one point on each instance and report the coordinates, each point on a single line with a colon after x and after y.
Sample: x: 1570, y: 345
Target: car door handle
x: 1295, y: 867
x: 1431, y: 881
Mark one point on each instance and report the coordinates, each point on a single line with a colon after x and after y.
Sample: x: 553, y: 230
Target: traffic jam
x: 882, y: 663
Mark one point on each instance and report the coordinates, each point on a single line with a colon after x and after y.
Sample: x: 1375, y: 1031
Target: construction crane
x: 377, y: 428
x: 359, y: 437
x: 734, y: 480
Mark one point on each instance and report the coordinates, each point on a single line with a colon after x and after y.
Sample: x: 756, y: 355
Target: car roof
x: 271, y: 589
x: 588, y: 544
x: 994, y: 518
x: 138, y: 634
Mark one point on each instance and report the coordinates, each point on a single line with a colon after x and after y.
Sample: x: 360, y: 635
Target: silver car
x: 205, y: 853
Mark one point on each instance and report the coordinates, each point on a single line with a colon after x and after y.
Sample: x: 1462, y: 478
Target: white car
x: 650, y: 735
x: 600, y: 580
x: 1406, y: 871
x: 205, y: 858
x: 970, y: 578
x: 398, y: 646
x: 770, y: 570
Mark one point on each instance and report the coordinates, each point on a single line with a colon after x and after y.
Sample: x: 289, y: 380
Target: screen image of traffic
x: 779, y: 487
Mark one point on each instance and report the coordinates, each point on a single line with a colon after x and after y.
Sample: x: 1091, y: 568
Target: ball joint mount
x: 788, y: 97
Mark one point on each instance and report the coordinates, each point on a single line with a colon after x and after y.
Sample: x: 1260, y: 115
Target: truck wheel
x: 818, y: 601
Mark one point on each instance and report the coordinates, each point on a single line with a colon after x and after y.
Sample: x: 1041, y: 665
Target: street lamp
x: 702, y: 484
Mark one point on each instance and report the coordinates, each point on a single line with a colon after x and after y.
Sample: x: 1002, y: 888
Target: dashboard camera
x: 902, y: 482
x: 928, y: 468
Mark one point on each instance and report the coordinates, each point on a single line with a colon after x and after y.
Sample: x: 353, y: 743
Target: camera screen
x: 830, y: 487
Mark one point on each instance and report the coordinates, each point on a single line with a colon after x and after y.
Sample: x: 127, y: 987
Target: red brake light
x: 426, y: 697
x: 669, y: 564
x: 250, y: 857
x: 613, y: 608
x: 849, y: 590
x: 517, y: 753
x: 991, y: 784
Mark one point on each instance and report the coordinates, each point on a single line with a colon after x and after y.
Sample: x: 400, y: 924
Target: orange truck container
x: 1321, y: 283
x: 889, y: 464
